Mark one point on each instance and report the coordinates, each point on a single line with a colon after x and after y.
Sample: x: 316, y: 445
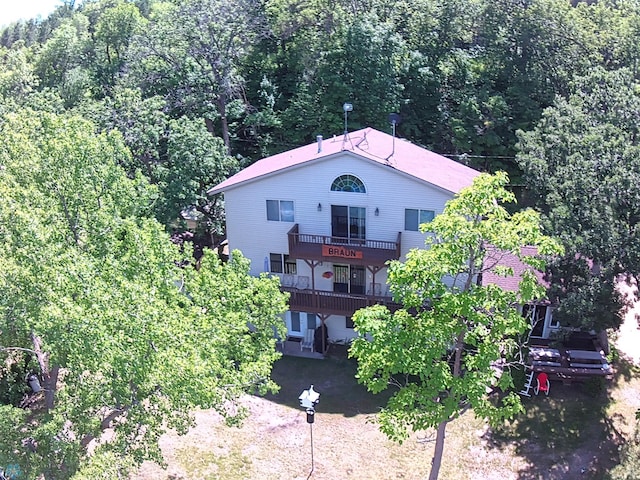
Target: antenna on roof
x: 394, y: 119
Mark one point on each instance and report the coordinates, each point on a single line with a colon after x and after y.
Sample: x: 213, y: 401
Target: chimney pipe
x: 319, y: 139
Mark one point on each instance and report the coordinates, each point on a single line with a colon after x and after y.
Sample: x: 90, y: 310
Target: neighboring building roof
x: 371, y: 144
x: 496, y: 257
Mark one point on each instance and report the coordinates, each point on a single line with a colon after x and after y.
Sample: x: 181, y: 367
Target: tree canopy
x: 179, y: 94
x: 582, y: 161
x: 465, y: 76
x: 124, y: 333
x: 442, y: 349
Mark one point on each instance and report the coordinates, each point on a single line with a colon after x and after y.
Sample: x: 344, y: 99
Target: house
x: 326, y: 217
x: 562, y: 354
x: 540, y: 313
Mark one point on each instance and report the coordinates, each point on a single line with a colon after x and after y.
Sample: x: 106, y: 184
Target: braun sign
x: 335, y: 251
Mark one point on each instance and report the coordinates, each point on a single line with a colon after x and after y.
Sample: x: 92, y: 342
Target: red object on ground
x: 542, y: 383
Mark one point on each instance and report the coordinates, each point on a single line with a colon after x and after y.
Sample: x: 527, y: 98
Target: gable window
x: 280, y: 210
x: 348, y: 183
x: 414, y: 217
x: 281, y: 263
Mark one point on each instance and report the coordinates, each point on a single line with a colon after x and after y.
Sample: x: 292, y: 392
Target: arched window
x: 348, y: 183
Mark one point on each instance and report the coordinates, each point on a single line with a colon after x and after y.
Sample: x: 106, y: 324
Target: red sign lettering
x: 342, y: 252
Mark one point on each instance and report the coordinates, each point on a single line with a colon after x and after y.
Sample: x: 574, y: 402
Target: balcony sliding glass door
x: 348, y: 222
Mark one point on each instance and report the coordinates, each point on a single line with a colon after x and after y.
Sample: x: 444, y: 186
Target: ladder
x: 527, y: 385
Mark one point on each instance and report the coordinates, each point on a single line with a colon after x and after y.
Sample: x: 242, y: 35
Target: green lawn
x: 573, y: 433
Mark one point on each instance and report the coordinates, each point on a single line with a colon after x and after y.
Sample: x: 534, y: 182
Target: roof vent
x: 394, y: 119
x: 346, y: 107
x: 319, y: 140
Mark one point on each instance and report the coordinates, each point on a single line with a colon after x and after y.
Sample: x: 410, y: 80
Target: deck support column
x: 312, y: 265
x: 374, y: 269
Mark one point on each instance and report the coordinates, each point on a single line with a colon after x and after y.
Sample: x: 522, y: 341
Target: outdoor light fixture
x: 308, y: 400
x: 377, y: 212
x: 319, y: 207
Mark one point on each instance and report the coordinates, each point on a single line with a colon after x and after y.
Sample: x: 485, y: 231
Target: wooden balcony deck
x: 332, y: 303
x: 353, y: 251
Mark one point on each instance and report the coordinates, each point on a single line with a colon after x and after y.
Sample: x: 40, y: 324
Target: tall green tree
x: 122, y: 332
x: 17, y: 78
x: 361, y: 64
x: 440, y: 349
x: 60, y: 63
x: 582, y: 162
x: 115, y: 27
x: 195, y: 161
x: 193, y: 49
x: 142, y: 122
x: 300, y: 35
x: 363, y: 69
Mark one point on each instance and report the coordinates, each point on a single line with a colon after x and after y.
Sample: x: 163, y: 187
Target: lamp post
x: 308, y: 400
x: 346, y: 108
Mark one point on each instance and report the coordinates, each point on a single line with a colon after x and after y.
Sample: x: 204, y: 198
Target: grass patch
x: 212, y: 465
x: 561, y: 422
x: 573, y: 434
x: 334, y: 379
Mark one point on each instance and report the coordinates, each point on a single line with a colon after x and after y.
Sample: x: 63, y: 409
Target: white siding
x: 387, y: 189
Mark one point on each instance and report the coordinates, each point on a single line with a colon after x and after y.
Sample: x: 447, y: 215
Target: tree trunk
x: 222, y: 111
x: 49, y: 376
x: 442, y: 426
x: 439, y: 450
x: 104, y: 424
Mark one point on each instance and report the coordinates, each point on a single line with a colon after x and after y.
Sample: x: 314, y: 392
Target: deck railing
x: 309, y: 245
x: 333, y: 303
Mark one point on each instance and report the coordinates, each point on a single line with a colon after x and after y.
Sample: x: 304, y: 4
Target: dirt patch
x: 628, y: 337
x: 573, y: 434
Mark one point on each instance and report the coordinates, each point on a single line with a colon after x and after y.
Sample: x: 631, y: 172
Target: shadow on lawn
x: 569, y: 434
x: 334, y: 378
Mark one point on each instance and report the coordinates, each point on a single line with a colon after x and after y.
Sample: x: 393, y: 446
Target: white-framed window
x: 348, y: 183
x: 280, y: 210
x: 281, y: 263
x: 413, y: 217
